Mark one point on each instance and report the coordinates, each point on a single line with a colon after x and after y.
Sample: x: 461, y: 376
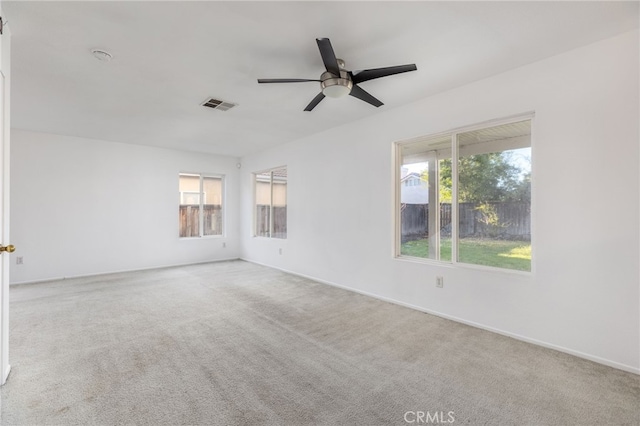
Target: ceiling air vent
x: 218, y: 104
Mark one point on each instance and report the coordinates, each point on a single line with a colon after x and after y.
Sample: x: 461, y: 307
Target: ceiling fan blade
x: 360, y: 93
x: 315, y: 102
x: 382, y: 72
x: 284, y: 80
x: 328, y: 57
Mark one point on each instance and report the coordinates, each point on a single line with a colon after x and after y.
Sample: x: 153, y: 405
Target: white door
x: 5, y: 246
x: 4, y: 235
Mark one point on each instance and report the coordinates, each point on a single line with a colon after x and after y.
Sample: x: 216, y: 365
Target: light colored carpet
x: 234, y: 343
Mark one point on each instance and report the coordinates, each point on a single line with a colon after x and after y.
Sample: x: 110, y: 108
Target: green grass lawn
x: 499, y: 253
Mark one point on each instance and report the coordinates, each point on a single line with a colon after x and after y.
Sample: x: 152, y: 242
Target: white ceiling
x: 170, y: 56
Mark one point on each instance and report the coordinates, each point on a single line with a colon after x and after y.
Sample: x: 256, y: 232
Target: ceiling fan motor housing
x: 336, y: 87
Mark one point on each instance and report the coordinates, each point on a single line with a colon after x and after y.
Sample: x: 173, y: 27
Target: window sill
x: 459, y: 265
x: 205, y: 237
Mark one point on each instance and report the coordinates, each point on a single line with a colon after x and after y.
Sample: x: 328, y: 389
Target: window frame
x: 255, y: 175
x: 202, y: 201
x: 455, y: 157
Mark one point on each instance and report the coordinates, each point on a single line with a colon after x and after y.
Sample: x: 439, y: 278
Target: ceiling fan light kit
x: 336, y: 87
x: 337, y: 82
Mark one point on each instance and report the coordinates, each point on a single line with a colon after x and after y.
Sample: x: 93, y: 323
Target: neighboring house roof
x: 410, y: 175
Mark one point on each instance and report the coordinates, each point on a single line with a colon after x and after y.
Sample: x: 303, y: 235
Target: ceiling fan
x: 337, y: 82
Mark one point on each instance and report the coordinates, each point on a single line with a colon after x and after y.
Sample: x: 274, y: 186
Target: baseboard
x: 544, y: 344
x: 120, y: 271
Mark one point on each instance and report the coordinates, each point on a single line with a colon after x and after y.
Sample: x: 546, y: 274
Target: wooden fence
x: 279, y: 221
x: 190, y: 220
x: 514, y: 221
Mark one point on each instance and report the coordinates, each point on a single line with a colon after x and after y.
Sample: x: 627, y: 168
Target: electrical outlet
x: 440, y: 282
x: 224, y: 245
x: 280, y: 251
x: 19, y: 260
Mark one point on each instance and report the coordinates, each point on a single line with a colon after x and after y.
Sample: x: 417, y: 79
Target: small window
x: 425, y: 230
x: 271, y: 203
x: 200, y: 209
x: 472, y: 201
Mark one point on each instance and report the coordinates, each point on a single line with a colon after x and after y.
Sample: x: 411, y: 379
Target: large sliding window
x: 200, y: 205
x: 271, y: 203
x: 472, y: 200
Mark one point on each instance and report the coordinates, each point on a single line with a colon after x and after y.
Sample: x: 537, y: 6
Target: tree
x: 482, y: 178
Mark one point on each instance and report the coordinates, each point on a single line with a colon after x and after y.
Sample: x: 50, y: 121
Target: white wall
x: 583, y: 296
x: 82, y: 206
